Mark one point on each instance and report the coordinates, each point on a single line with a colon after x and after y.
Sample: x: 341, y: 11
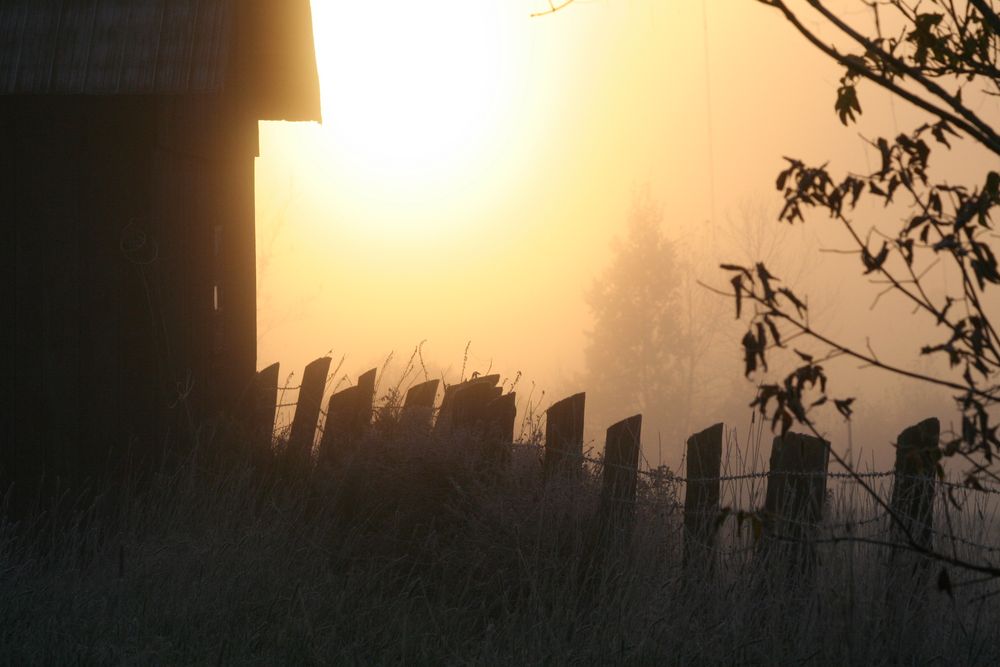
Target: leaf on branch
x: 737, y: 282
x: 940, y: 129
x: 765, y: 282
x: 735, y: 267
x: 754, y: 347
x: 874, y: 263
x: 948, y: 242
x: 906, y: 249
x: 764, y: 394
x: 883, y: 149
x: 800, y: 307
x: 843, y: 406
x: 915, y: 222
x: 857, y: 186
x: 943, y: 314
x: 992, y: 187
x: 923, y: 36
x: 785, y: 419
x: 934, y: 202
x: 783, y: 178
x: 847, y: 103
x: 774, y: 331
x: 986, y: 271
x: 749, y: 353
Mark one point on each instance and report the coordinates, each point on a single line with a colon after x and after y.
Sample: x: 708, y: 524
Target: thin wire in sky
x: 708, y: 115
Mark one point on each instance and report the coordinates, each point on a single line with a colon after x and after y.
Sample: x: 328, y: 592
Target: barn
x: 128, y: 134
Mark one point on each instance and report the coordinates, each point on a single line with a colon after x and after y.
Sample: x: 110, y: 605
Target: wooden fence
x: 796, y: 483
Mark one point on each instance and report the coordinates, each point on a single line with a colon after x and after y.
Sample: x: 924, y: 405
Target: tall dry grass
x: 412, y: 551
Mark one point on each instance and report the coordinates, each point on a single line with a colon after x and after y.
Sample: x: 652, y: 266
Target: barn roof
x: 163, y: 47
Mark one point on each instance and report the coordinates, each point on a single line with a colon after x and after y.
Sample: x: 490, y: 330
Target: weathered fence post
x: 621, y: 468
x: 366, y: 398
x: 262, y: 404
x: 300, y: 438
x: 912, y: 504
x: 468, y: 408
x: 348, y: 416
x: 564, y: 436
x: 701, y: 499
x: 912, y: 500
x: 796, y: 490
x: 418, y: 406
x: 499, y: 418
x: 341, y: 424
x: 446, y: 414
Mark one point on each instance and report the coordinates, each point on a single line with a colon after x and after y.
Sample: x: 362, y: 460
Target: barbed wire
x: 832, y: 531
x: 764, y: 474
x: 841, y: 530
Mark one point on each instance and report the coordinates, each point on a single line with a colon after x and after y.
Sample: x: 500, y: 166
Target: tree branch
x: 885, y: 82
x: 553, y: 8
x: 931, y: 86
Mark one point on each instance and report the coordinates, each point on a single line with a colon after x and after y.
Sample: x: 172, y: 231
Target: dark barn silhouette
x: 128, y: 132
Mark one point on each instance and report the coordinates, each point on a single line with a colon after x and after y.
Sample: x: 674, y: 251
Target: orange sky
x: 475, y: 163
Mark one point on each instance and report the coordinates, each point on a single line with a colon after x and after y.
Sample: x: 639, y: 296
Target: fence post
x: 912, y: 503
x: 500, y: 415
x: 796, y: 490
x: 366, y: 399
x: 261, y: 408
x: 303, y: 430
x: 912, y: 499
x: 701, y: 498
x: 445, y: 420
x: 418, y: 406
x: 621, y: 468
x: 468, y: 408
x: 564, y: 436
x: 341, y: 423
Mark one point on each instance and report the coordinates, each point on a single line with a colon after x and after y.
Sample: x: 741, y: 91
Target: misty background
x: 619, y: 152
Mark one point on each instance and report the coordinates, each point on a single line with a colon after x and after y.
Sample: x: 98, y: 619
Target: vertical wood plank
x: 621, y: 467
x: 262, y: 407
x: 701, y: 499
x: 912, y: 499
x: 341, y: 424
x: 796, y: 490
x: 418, y: 406
x: 366, y: 399
x: 300, y: 439
x: 500, y: 415
x: 469, y: 406
x: 564, y: 436
x: 445, y: 419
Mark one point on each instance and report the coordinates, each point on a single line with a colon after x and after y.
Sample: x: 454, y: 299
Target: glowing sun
x: 412, y: 91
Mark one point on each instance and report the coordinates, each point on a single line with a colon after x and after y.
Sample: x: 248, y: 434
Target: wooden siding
x: 260, y: 52
x: 124, y: 216
x: 114, y: 47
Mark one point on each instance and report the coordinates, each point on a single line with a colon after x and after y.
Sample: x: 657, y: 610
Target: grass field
x: 414, y: 553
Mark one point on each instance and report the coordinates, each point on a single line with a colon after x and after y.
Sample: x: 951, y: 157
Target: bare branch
x: 553, y: 8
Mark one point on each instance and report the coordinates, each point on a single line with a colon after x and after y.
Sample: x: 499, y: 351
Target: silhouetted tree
x: 635, y: 356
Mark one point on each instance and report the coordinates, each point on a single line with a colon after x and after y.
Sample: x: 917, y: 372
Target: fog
x: 475, y: 197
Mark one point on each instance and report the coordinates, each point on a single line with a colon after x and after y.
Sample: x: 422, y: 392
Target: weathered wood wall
x: 129, y: 279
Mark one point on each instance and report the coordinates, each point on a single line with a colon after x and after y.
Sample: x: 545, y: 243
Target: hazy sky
x: 474, y: 165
